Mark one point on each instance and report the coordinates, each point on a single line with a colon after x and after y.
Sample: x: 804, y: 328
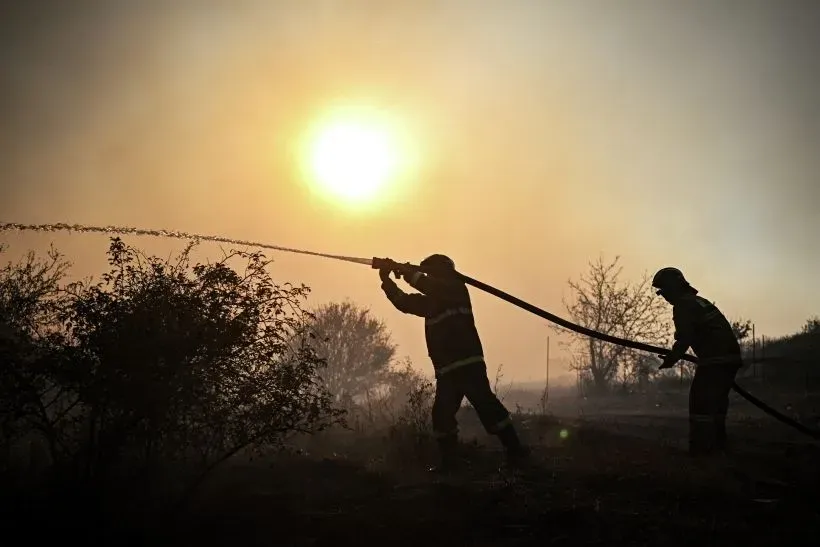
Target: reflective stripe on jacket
x: 449, y: 327
x: 709, y: 333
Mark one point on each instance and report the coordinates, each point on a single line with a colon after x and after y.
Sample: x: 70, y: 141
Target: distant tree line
x: 789, y: 362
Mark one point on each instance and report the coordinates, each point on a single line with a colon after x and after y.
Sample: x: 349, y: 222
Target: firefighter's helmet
x: 438, y: 262
x: 669, y: 279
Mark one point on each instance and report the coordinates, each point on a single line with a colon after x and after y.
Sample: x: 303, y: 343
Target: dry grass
x: 590, y: 486
x: 620, y: 482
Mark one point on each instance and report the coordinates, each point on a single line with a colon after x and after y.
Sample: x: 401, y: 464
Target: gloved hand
x: 401, y: 270
x: 405, y: 269
x: 666, y: 364
x: 384, y: 263
x: 384, y: 275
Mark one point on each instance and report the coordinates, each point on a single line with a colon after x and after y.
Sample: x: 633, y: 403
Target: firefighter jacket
x: 449, y: 326
x: 700, y: 323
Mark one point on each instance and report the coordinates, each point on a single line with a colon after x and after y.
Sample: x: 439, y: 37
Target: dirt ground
x: 615, y: 479
x: 611, y: 476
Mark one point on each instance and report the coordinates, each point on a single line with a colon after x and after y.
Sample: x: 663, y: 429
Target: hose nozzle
x: 386, y: 264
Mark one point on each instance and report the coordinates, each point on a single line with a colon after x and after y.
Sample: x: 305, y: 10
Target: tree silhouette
x: 30, y: 299
x: 812, y: 326
x: 356, y: 347
x: 600, y: 301
x: 742, y: 328
x: 162, y: 361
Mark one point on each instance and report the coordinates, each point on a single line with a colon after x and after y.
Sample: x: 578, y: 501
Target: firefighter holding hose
x: 454, y: 348
x: 699, y: 324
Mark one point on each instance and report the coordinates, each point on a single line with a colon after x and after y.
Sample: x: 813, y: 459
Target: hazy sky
x: 547, y: 133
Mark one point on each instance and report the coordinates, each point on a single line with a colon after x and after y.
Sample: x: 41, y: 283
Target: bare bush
x: 162, y: 361
x: 600, y: 301
x: 356, y: 347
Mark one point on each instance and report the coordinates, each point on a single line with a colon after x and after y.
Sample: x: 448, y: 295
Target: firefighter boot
x: 449, y: 457
x: 517, y: 454
x: 720, y: 433
x: 701, y: 435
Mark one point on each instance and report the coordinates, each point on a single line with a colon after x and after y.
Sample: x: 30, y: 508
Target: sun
x: 353, y: 155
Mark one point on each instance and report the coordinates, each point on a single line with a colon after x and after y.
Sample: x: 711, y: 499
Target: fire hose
x: 379, y: 263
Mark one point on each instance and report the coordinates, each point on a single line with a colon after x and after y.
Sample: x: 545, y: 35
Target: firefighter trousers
x: 708, y: 404
x: 470, y: 381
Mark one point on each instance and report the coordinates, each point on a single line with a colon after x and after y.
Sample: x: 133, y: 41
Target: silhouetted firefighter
x: 701, y: 326
x: 455, y: 349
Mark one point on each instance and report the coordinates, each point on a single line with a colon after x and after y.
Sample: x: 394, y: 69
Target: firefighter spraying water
x: 455, y: 349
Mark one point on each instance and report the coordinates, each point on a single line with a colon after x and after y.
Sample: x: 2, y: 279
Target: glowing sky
x: 671, y: 133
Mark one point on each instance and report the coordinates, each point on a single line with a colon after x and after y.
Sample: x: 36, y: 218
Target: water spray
x: 379, y: 263
x: 174, y: 234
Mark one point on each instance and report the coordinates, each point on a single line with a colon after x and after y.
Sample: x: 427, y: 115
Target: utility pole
x: 547, y: 386
x: 578, y: 385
